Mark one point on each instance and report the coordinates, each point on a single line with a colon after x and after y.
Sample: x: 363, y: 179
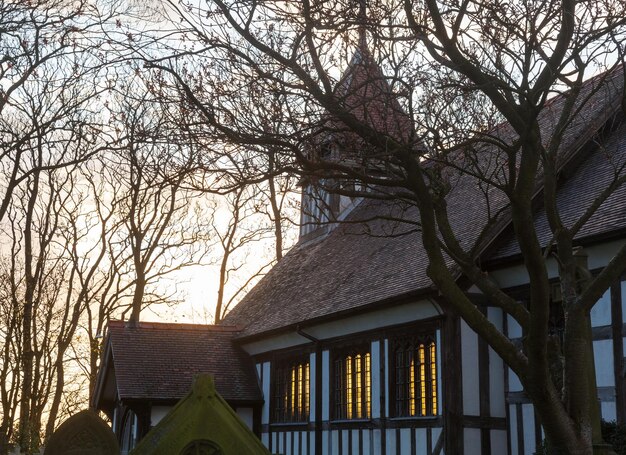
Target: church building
x: 345, y: 346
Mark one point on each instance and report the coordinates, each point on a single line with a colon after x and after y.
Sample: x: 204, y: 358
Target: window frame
x: 284, y: 391
x: 342, y: 388
x: 411, y: 396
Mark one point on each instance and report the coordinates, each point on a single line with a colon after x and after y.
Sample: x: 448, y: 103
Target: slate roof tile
x: 157, y: 361
x: 361, y: 264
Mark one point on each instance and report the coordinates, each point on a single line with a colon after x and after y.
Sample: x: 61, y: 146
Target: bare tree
x: 457, y: 71
x: 46, y: 45
x: 244, y: 228
x: 163, y: 231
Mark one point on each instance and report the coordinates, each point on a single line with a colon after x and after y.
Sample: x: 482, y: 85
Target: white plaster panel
x: 600, y: 255
x: 377, y: 442
x: 345, y: 436
x: 296, y: 442
x: 325, y: 385
x: 517, y: 274
x: 514, y: 383
x: 157, y: 413
x: 326, y: 442
x: 265, y: 387
x: 405, y: 440
x: 375, y: 367
x: 265, y: 439
x: 276, y: 342
x: 528, y: 414
x: 609, y: 413
x: 513, y: 429
x: 400, y: 314
x: 312, y: 443
x: 471, y: 440
x: 246, y: 414
x: 597, y: 256
x: 495, y: 316
x: 420, y: 441
x: 469, y: 361
x: 601, y: 311
x: 603, y: 355
x: 514, y: 330
x: 312, y: 387
x: 334, y: 442
x: 288, y: 436
x: 497, y: 401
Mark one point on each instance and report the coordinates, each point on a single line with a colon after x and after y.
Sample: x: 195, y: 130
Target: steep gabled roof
x: 362, y: 264
x: 157, y: 361
x: 204, y: 417
x: 365, y: 92
x: 595, y: 173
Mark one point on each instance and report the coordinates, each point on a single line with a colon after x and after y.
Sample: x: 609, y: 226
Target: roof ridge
x: 175, y: 326
x: 563, y: 162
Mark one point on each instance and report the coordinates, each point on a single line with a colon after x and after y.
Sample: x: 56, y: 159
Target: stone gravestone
x: 202, y: 423
x: 84, y: 433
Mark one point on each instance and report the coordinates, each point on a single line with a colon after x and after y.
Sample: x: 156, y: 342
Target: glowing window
x: 352, y: 385
x: 414, y: 376
x: 291, y: 391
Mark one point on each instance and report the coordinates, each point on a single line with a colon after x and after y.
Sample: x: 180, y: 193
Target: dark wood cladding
x: 452, y: 382
x: 484, y: 391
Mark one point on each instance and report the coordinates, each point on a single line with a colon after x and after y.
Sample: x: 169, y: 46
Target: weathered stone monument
x: 201, y: 423
x: 84, y: 433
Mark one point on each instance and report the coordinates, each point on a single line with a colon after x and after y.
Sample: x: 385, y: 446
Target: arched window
x: 414, y: 377
x: 352, y: 385
x: 201, y: 447
x: 129, y: 432
x: 291, y: 390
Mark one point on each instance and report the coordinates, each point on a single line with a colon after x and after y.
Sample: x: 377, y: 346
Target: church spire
x: 362, y: 21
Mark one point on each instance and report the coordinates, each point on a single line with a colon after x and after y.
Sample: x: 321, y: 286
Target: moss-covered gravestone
x: 84, y: 433
x: 201, y: 423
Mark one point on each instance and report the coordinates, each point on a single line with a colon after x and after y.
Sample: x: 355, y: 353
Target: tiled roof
x: 157, y: 361
x: 365, y: 263
x: 577, y: 193
x: 365, y: 92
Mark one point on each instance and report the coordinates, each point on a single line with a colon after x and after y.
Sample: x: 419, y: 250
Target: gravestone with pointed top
x: 84, y: 433
x: 201, y: 423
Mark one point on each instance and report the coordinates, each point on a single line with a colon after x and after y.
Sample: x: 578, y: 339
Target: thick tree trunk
x: 572, y: 422
x: 278, y: 229
x: 58, y: 393
x: 140, y: 286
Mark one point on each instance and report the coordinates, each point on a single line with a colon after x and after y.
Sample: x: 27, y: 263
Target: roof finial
x: 362, y: 21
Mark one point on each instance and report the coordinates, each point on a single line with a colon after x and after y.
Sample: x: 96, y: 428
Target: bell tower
x: 365, y: 92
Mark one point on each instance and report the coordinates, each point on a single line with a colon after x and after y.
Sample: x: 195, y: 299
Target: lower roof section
x: 158, y: 361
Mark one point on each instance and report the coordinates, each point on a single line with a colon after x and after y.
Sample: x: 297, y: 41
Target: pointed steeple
x: 362, y: 21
